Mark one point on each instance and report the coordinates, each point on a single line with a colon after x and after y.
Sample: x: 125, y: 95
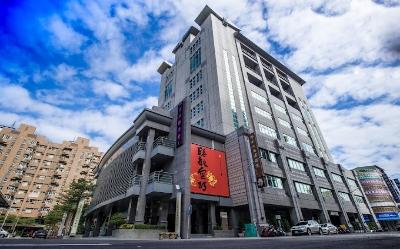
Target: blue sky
x: 88, y: 67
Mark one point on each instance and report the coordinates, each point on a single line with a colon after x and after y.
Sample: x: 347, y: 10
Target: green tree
x: 54, y: 216
x: 77, y: 190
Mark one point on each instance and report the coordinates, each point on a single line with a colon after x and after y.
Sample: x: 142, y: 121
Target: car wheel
x: 2, y: 235
x: 320, y: 232
x: 309, y: 232
x: 329, y: 232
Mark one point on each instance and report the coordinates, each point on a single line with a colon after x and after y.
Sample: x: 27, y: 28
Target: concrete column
x: 88, y: 226
x: 141, y: 204
x: 130, y: 218
x: 234, y: 221
x: 97, y: 224
x: 163, y: 212
x: 212, y: 222
x: 295, y: 213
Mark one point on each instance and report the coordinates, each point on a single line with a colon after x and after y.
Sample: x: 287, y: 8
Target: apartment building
x: 34, y: 171
x: 226, y: 96
x: 375, y: 184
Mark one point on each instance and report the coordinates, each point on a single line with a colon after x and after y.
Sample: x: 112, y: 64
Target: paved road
x: 352, y: 241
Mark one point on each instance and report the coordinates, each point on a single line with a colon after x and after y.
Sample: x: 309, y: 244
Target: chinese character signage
x: 208, y: 173
x: 179, y: 125
x: 255, y: 153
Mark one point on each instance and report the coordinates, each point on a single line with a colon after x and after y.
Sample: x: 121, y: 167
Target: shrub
x: 148, y: 226
x: 126, y: 226
x: 117, y: 219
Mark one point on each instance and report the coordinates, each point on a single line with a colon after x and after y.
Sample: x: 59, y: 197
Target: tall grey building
x: 234, y: 130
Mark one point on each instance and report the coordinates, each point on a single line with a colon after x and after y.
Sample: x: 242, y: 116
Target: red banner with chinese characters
x: 208, y: 173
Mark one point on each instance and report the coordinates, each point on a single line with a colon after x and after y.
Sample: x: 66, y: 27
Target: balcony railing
x: 137, y: 179
x: 160, y: 177
x: 248, y: 53
x: 164, y: 141
x: 138, y: 146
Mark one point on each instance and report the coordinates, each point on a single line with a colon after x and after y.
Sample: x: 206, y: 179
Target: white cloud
x: 60, y: 124
x: 359, y: 83
x: 321, y: 42
x: 64, y: 35
x: 364, y: 135
x: 110, y: 89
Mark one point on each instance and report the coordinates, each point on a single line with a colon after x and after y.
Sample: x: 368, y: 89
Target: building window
x: 196, y: 79
x: 297, y: 118
x: 168, y: 90
x: 290, y: 140
x: 293, y: 164
x: 352, y: 183
x: 196, y: 93
x: 267, y: 130
x: 359, y: 199
x: 326, y: 193
x: 200, y: 122
x: 303, y: 188
x: 302, y: 132
x: 284, y: 123
x: 268, y: 155
x: 337, y: 178
x: 240, y: 92
x: 263, y: 113
x: 279, y: 108
x: 259, y: 97
x: 274, y: 182
x: 344, y: 196
x: 197, y: 109
x: 195, y: 60
x: 319, y: 172
x: 308, y: 148
x: 230, y: 91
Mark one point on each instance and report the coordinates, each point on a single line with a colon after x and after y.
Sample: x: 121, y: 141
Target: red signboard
x: 208, y: 173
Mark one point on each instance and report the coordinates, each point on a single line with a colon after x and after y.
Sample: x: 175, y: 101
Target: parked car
x: 306, y: 227
x: 3, y: 233
x: 328, y: 228
x: 27, y: 232
x: 40, y: 234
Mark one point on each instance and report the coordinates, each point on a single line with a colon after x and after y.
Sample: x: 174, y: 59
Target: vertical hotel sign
x: 180, y: 124
x: 208, y: 172
x: 255, y: 153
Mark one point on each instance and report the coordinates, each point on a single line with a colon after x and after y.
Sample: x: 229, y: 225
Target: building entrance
x: 199, y: 218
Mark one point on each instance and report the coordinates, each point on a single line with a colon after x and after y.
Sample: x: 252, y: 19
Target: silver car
x: 328, y: 228
x: 3, y: 233
x: 306, y: 227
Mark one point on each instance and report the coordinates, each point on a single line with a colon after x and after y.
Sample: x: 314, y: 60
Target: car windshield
x: 302, y: 223
x: 324, y: 225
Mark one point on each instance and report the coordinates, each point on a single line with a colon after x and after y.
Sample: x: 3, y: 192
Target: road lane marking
x: 36, y: 245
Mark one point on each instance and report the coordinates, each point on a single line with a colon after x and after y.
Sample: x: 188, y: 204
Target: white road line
x: 37, y: 245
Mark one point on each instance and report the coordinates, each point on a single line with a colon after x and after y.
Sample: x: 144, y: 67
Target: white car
x: 306, y: 227
x: 328, y: 228
x: 3, y: 233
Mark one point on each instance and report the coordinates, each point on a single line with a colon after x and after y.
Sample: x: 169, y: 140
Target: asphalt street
x: 351, y: 241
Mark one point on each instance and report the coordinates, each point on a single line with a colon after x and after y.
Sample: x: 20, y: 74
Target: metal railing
x: 164, y: 141
x: 138, y: 146
x: 160, y: 177
x: 249, y: 54
x: 136, y: 180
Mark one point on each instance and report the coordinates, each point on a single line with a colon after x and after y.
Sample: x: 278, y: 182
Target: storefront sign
x: 208, y: 173
x: 387, y: 216
x: 255, y: 153
x: 180, y: 124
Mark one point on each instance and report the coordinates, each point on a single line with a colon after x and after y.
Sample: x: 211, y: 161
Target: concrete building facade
x: 34, y: 171
x: 374, y: 182
x: 239, y: 100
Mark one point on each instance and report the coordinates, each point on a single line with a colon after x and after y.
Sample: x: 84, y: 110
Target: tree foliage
x: 54, y: 216
x: 77, y: 190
